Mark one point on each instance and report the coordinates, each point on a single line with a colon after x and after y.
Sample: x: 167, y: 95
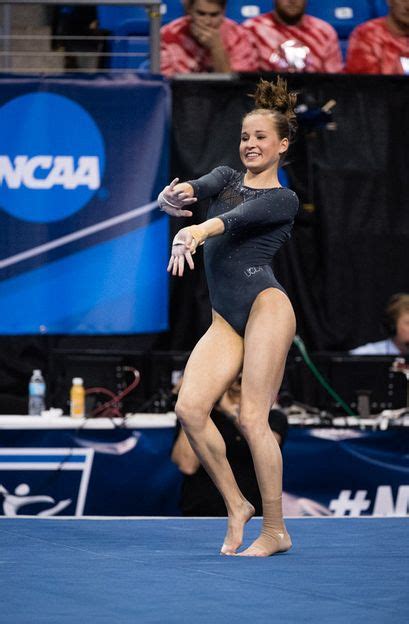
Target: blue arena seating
x: 112, y: 17
x: 171, y: 10
x: 240, y: 10
x: 122, y: 47
x: 343, y: 15
x: 124, y: 21
x: 344, y: 48
x: 380, y: 7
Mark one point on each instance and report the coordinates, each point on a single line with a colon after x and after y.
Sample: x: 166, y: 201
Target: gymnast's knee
x: 191, y: 414
x: 252, y: 424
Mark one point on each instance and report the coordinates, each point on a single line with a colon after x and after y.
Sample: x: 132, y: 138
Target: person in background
x: 205, y: 40
x: 381, y: 45
x: 397, y: 321
x: 289, y: 40
x: 200, y: 497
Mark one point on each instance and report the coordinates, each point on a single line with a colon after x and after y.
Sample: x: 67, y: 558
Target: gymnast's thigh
x: 269, y: 333
x: 213, y: 365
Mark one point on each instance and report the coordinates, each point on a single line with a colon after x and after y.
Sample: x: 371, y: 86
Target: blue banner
x: 128, y: 471
x: 346, y: 472
x: 122, y: 472
x: 83, y: 247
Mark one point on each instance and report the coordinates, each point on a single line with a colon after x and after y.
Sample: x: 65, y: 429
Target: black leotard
x: 238, y: 262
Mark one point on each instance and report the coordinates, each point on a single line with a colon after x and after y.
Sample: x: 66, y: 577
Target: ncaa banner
x: 346, y: 472
x: 80, y: 472
x: 83, y: 246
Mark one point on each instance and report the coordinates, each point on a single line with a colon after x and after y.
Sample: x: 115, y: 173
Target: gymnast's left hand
x: 183, y: 247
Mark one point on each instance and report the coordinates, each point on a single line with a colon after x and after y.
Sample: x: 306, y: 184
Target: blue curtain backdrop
x: 83, y: 247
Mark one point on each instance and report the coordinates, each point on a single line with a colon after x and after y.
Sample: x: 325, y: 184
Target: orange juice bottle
x: 77, y: 396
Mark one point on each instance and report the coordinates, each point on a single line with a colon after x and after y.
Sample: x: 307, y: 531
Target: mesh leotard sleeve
x: 211, y: 183
x: 262, y: 211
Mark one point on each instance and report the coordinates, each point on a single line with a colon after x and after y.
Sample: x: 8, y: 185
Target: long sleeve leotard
x: 238, y: 262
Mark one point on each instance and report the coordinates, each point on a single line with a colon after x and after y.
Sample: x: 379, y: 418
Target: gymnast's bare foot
x: 235, y: 527
x: 265, y: 545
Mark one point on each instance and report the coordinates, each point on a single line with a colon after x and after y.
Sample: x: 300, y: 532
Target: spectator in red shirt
x: 381, y: 45
x: 288, y: 40
x: 206, y: 41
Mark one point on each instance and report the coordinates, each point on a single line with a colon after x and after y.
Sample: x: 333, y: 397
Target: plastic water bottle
x: 36, y: 394
x: 77, y: 396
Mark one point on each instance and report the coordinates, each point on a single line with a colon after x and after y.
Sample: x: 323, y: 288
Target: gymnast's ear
x: 284, y: 143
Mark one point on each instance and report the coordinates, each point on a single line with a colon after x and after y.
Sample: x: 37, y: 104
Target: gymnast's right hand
x: 183, y: 246
x: 175, y: 197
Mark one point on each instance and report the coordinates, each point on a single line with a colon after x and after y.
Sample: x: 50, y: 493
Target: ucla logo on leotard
x: 252, y: 271
x: 52, y: 157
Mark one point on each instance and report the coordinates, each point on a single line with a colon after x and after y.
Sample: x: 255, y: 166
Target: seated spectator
x: 381, y: 45
x: 288, y: 40
x: 397, y: 321
x: 199, y: 495
x: 206, y: 41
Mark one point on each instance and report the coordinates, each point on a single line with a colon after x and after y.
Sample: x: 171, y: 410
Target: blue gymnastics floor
x: 169, y: 571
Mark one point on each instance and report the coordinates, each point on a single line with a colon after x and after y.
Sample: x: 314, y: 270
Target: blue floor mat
x: 342, y: 570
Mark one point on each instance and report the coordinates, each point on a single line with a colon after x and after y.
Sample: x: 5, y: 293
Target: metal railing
x: 6, y: 37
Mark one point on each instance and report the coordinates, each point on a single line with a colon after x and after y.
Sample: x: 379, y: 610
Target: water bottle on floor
x: 36, y: 393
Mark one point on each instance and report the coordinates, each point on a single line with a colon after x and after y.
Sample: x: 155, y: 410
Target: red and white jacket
x: 374, y: 49
x: 311, y: 45
x: 181, y: 53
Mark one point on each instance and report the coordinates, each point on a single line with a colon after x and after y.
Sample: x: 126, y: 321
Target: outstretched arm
x: 260, y: 212
x: 187, y: 240
x: 177, y: 195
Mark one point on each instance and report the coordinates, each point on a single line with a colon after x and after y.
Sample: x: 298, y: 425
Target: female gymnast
x: 250, y: 217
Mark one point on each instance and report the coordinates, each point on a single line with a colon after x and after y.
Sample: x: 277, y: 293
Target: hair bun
x: 275, y: 96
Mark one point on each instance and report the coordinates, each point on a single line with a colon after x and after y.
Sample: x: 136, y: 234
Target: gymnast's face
x: 260, y: 145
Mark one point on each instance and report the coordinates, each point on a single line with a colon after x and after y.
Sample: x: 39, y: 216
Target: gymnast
x: 253, y: 323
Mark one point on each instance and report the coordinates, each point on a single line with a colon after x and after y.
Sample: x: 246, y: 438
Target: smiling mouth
x: 252, y: 155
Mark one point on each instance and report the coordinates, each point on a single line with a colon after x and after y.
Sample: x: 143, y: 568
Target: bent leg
x: 212, y: 367
x: 269, y: 333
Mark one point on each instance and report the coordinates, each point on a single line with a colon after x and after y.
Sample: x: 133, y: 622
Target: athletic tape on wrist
x: 161, y: 201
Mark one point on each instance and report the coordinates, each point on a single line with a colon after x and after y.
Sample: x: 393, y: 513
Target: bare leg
x: 212, y: 367
x: 184, y: 456
x: 269, y: 333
